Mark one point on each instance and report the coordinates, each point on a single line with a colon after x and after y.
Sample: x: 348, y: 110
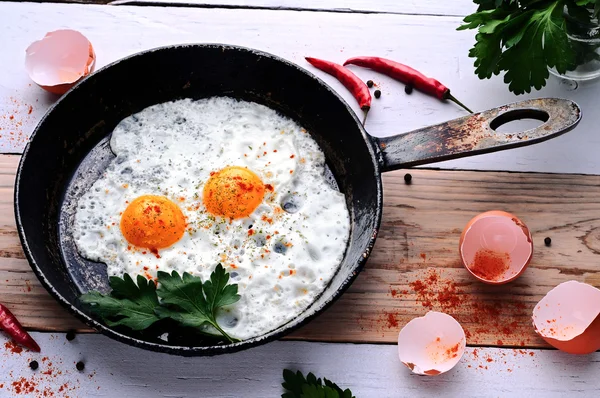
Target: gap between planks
x: 417, y: 242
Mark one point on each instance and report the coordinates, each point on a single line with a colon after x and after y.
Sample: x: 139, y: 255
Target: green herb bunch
x: 523, y: 38
x: 297, y: 386
x: 184, y: 299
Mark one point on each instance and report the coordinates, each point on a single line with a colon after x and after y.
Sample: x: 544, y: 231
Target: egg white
x: 282, y: 255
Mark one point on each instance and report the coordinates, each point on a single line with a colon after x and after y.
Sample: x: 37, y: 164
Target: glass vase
x: 584, y: 37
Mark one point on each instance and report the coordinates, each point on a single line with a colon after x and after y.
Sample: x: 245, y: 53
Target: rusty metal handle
x: 475, y: 134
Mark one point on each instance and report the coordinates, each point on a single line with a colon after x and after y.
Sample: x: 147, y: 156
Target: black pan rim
x: 198, y: 350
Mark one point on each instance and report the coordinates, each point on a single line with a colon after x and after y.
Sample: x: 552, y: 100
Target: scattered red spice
x: 13, y: 347
x: 392, y: 321
x: 489, y: 359
x: 452, y: 352
x: 423, y: 256
x: 14, y: 138
x: 490, y: 265
x: 483, y: 321
x: 394, y: 292
x: 23, y: 386
x: 432, y: 277
x: 250, y: 232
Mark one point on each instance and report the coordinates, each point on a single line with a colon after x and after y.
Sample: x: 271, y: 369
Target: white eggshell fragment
x: 568, y: 317
x: 431, y: 344
x: 59, y: 60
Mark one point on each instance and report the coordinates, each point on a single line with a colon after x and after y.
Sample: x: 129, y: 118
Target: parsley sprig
x: 297, y: 386
x: 523, y: 38
x: 185, y: 299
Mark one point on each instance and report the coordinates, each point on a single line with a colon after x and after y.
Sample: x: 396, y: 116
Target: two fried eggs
x: 197, y: 183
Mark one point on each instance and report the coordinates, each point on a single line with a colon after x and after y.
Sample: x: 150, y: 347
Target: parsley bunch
x: 523, y: 38
x: 185, y: 299
x: 297, y: 386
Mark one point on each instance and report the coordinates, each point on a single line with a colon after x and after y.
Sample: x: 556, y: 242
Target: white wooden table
x: 421, y: 34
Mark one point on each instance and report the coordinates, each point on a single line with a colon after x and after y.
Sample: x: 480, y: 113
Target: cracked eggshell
x: 568, y: 318
x: 432, y: 344
x: 59, y: 60
x: 497, y: 236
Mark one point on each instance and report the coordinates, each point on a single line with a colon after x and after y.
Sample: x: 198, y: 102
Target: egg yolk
x: 233, y: 192
x: 153, y: 222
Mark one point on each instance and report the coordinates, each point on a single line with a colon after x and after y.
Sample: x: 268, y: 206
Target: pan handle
x: 475, y: 134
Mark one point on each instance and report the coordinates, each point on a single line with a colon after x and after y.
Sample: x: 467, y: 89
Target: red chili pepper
x: 12, y: 327
x: 353, y: 83
x: 406, y: 75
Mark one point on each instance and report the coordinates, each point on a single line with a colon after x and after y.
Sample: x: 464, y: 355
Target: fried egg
x: 198, y: 183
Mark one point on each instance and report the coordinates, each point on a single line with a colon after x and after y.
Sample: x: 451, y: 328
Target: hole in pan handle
x: 476, y: 134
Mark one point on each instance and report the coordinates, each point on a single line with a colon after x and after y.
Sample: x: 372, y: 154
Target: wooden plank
x: 428, y: 43
x: 417, y: 241
x: 20, y: 289
x: 422, y: 7
x: 114, y: 369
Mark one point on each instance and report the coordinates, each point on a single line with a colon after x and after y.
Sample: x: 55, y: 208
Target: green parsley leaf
x: 193, y: 303
x: 128, y: 304
x: 293, y: 383
x: 524, y: 38
x: 185, y: 299
x: 297, y: 386
x: 317, y: 391
x: 544, y: 43
x: 342, y: 393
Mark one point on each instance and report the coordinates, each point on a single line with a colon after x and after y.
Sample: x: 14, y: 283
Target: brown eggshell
x: 500, y: 236
x: 59, y: 60
x: 568, y: 318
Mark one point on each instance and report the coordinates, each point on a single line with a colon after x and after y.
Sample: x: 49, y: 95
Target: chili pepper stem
x: 457, y: 102
x: 365, y: 117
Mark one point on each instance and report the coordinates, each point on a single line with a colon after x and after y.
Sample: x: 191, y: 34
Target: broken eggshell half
x: 432, y: 344
x: 568, y: 318
x: 496, y: 247
x: 59, y: 60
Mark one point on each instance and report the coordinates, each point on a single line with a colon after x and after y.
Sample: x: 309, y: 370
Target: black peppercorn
x: 408, y: 89
x: 407, y: 178
x: 80, y: 366
x: 547, y: 241
x: 70, y: 335
x: 369, y: 83
x: 34, y: 365
x: 377, y: 93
